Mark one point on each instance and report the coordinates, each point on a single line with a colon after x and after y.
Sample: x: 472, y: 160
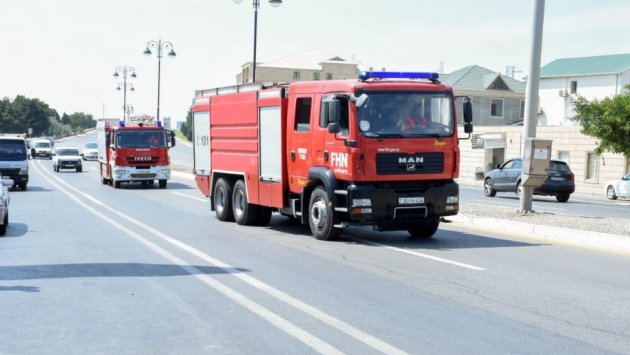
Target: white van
x: 14, y: 159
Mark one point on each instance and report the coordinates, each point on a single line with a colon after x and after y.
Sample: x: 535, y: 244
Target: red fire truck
x: 133, y: 153
x: 381, y: 150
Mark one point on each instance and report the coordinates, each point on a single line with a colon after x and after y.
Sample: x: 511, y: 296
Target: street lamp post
x: 159, y: 46
x: 256, y: 3
x: 124, y: 71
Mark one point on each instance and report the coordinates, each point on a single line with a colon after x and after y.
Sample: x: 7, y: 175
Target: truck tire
x: 244, y: 212
x: 22, y: 186
x: 264, y: 216
x: 162, y: 183
x: 222, y: 197
x: 321, y: 217
x: 104, y: 180
x: 3, y: 228
x: 117, y: 184
x: 426, y: 230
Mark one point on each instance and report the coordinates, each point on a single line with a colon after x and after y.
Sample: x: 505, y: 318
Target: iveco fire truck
x: 133, y: 153
x: 381, y: 150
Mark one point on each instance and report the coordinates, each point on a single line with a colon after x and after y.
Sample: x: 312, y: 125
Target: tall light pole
x: 124, y: 71
x: 159, y: 46
x: 256, y: 3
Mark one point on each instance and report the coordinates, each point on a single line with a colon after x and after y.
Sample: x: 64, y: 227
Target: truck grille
x: 143, y: 176
x: 9, y: 172
x: 142, y: 160
x: 409, y: 164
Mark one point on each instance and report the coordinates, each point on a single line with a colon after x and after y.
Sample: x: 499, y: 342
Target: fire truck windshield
x: 136, y: 138
x: 406, y: 114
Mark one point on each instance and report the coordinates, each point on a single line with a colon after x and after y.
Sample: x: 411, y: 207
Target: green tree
x: 186, y: 127
x: 79, y: 121
x: 23, y: 113
x: 607, y: 120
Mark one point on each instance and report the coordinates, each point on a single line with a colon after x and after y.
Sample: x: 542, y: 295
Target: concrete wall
x: 565, y: 138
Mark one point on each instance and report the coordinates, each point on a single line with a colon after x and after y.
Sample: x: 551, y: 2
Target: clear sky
x: 65, y: 51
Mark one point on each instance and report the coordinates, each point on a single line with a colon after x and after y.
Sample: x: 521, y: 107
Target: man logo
x: 405, y: 160
x: 411, y: 167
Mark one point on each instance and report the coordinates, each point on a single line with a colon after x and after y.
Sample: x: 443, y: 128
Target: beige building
x: 308, y: 65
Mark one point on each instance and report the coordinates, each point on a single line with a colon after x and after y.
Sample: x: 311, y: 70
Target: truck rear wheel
x: 3, y: 227
x: 244, y: 213
x: 222, y: 197
x: 162, y: 183
x: 426, y: 230
x: 264, y: 216
x: 117, y: 184
x: 321, y: 217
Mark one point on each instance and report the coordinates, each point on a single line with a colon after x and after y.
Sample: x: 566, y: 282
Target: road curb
x: 597, y: 240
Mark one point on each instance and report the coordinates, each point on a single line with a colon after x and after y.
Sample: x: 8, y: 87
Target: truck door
x: 300, y: 141
x: 332, y: 151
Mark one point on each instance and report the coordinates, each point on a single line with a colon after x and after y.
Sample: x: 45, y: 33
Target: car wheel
x: 519, y: 189
x: 562, y: 197
x: 488, y: 189
x: 610, y: 193
x: 321, y: 217
x: 22, y: 186
x: 222, y: 198
x: 245, y: 213
x: 162, y: 183
x: 79, y: 169
x: 426, y: 230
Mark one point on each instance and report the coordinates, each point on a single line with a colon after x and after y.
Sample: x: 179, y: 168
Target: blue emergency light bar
x: 364, y: 75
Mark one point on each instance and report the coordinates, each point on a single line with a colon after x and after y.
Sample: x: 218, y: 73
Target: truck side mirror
x: 468, y: 127
x: 334, y: 111
x: 334, y: 128
x: 468, y: 115
x: 172, y: 138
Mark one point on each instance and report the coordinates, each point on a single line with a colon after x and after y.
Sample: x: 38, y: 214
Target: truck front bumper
x: 132, y: 174
x: 397, y: 207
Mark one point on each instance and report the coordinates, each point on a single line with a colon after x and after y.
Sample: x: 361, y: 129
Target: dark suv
x: 507, y: 178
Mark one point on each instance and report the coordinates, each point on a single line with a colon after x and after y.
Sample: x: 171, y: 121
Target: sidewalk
x: 579, y: 189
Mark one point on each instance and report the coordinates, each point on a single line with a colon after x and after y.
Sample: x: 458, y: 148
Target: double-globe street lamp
x: 124, y: 71
x: 256, y: 3
x: 159, y: 46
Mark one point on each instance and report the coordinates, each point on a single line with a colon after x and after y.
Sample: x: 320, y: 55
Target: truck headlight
x: 24, y: 171
x: 362, y: 202
x: 452, y: 199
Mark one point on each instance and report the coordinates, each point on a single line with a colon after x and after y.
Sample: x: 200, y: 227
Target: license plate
x: 410, y: 200
x: 557, y: 179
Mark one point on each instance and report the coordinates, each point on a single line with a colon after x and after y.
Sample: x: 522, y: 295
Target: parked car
x: 90, y: 151
x: 560, y: 181
x: 67, y: 158
x: 618, y: 188
x: 41, y: 148
x: 4, y: 204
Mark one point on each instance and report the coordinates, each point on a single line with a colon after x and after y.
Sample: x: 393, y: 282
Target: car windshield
x: 141, y: 139
x: 41, y: 145
x: 405, y: 114
x: 91, y: 146
x: 558, y: 166
x: 68, y: 152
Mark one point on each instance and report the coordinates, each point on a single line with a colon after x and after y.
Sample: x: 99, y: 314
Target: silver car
x: 90, y: 151
x: 618, y: 188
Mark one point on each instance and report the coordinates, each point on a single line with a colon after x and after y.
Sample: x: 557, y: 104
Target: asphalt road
x: 87, y: 268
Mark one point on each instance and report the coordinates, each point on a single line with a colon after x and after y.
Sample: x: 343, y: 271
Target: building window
x: 302, y: 114
x: 315, y: 76
x: 522, y: 112
x: 592, y: 162
x: 564, y: 156
x: 328, y: 76
x: 296, y: 75
x: 496, y: 108
x: 574, y: 87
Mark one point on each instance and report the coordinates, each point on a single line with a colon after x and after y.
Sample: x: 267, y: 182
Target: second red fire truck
x: 133, y: 153
x: 381, y: 150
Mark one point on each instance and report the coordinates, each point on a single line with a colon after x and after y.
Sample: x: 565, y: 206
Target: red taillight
x: 571, y: 177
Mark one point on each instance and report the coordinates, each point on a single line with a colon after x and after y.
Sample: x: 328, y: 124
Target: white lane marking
x: 312, y: 341
x: 191, y: 197
x: 281, y: 296
x: 422, y: 255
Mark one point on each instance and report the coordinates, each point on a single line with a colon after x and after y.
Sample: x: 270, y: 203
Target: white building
x: 562, y: 80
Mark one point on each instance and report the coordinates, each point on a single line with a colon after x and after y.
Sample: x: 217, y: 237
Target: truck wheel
x: 103, y: 180
x: 162, y: 183
x: 222, y: 197
x: 244, y: 213
x: 117, y: 184
x: 321, y: 217
x: 426, y: 230
x: 264, y: 216
x: 488, y: 188
x: 3, y: 228
x: 22, y: 186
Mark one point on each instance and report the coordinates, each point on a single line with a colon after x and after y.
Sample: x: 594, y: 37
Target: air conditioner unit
x: 562, y: 93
